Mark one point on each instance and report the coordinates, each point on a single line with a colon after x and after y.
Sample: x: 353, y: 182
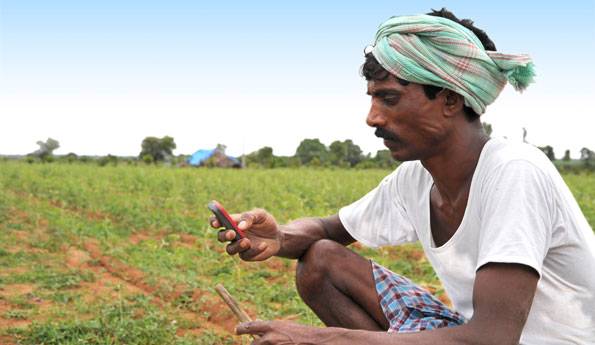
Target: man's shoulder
x: 505, y: 163
x: 500, y: 153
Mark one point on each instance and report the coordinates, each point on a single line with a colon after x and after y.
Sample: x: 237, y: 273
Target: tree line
x: 154, y: 150
x: 313, y: 153
x: 310, y: 153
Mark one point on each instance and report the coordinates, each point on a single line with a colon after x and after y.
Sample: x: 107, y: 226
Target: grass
x: 124, y: 255
x: 45, y: 278
x: 133, y: 322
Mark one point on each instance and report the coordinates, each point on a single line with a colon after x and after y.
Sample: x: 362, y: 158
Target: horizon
x: 558, y: 154
x: 100, y: 77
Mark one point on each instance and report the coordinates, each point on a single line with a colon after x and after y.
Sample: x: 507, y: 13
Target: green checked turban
x: 437, y: 51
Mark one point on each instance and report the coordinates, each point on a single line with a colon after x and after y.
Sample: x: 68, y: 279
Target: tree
x: 310, y: 149
x: 487, y: 128
x: 147, y: 159
x: 221, y: 148
x: 46, y: 149
x: 338, y: 153
x: 286, y: 162
x: 345, y: 153
x: 71, y: 157
x: 549, y: 152
x: 159, y: 149
x: 566, y: 155
x: 384, y: 159
x: 109, y: 159
x: 354, y: 153
x: 587, y: 156
x: 85, y: 159
x: 180, y: 160
x: 263, y: 157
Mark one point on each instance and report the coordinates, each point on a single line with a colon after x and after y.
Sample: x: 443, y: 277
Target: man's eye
x: 390, y: 100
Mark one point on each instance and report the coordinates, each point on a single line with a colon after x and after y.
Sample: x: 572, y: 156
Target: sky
x: 99, y: 76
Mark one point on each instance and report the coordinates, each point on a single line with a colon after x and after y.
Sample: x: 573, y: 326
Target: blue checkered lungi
x: 408, y: 307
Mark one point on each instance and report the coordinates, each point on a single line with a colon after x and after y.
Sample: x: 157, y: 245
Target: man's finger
x: 253, y: 327
x: 261, y: 254
x: 246, y: 220
x: 256, y: 216
x: 254, y: 254
x: 226, y: 235
x: 238, y: 246
x: 214, y: 222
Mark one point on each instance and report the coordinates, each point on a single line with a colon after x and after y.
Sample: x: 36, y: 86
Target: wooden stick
x: 232, y: 303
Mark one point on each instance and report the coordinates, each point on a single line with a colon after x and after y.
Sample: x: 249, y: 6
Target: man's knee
x: 313, y: 267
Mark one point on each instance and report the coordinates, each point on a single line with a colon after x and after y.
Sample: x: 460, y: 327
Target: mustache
x: 385, y: 134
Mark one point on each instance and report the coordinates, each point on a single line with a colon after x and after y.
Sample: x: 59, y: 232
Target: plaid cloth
x: 408, y: 307
x: 437, y: 51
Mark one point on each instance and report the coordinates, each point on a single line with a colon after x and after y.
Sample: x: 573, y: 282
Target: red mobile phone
x: 224, y: 219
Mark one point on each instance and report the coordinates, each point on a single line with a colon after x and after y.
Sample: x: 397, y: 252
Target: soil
x: 6, y: 322
x: 139, y: 236
x: 218, y: 317
x: 113, y: 278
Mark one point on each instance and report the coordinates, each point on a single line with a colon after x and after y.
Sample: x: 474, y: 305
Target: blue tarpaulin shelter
x: 200, y: 156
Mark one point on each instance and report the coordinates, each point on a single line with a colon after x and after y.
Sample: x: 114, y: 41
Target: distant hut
x: 213, y: 158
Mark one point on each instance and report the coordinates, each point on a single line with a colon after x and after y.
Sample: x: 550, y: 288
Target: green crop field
x: 124, y: 255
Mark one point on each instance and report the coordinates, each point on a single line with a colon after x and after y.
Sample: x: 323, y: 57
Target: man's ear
x: 453, y: 102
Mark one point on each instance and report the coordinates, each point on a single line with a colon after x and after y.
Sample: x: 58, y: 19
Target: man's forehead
x: 387, y: 85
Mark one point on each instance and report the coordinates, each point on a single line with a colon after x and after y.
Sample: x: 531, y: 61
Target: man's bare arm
x: 265, y: 238
x: 502, y: 299
x: 298, y: 235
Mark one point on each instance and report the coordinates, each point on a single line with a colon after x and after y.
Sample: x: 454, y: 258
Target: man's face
x: 412, y: 125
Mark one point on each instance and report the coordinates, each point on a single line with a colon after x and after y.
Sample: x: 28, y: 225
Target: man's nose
x: 375, y: 118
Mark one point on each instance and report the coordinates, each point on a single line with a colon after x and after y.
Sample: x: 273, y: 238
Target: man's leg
x: 339, y: 286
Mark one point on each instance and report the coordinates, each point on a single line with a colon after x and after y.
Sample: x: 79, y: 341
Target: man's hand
x: 273, y: 332
x: 287, y: 333
x: 263, y: 238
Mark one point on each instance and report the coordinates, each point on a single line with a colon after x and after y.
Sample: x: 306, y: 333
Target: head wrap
x: 437, y: 51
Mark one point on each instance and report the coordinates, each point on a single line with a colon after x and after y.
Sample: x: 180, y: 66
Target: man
x: 495, y: 219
